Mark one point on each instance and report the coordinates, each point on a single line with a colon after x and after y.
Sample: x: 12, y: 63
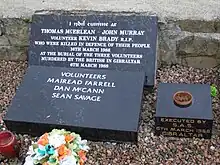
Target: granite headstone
x: 112, y: 42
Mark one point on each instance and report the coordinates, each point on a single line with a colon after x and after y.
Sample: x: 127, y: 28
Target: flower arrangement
x: 58, y: 147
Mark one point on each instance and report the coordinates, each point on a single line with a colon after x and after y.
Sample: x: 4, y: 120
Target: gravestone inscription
x: 98, y: 104
x: 113, y: 42
x: 194, y: 120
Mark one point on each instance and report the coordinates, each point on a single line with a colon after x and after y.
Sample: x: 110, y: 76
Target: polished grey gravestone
x: 193, y: 121
x: 98, y: 104
x: 111, y: 42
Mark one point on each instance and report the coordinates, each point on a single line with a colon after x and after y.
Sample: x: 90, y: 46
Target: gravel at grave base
x: 150, y: 149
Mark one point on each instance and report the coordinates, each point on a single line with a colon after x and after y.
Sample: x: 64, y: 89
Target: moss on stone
x: 27, y: 20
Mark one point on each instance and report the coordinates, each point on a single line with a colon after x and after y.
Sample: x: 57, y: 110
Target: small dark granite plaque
x: 113, y: 42
x: 194, y: 120
x: 98, y: 104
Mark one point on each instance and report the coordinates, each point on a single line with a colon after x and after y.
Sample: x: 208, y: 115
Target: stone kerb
x: 192, y: 42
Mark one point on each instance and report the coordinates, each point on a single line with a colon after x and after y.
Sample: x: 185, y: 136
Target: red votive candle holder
x: 8, y: 144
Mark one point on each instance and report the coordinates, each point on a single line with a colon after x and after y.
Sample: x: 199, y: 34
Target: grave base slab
x: 54, y: 97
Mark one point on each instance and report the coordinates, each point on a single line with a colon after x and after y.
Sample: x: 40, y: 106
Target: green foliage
x: 27, y: 20
x: 214, y: 91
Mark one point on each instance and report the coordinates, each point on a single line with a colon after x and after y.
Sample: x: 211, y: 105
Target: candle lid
x: 182, y: 98
x: 5, y: 137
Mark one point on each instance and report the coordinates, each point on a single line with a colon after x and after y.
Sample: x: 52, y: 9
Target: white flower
x: 38, y: 156
x: 83, y: 145
x: 56, y: 153
x: 29, y: 161
x: 84, y: 148
x: 69, y: 160
x: 56, y: 140
x: 30, y: 151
